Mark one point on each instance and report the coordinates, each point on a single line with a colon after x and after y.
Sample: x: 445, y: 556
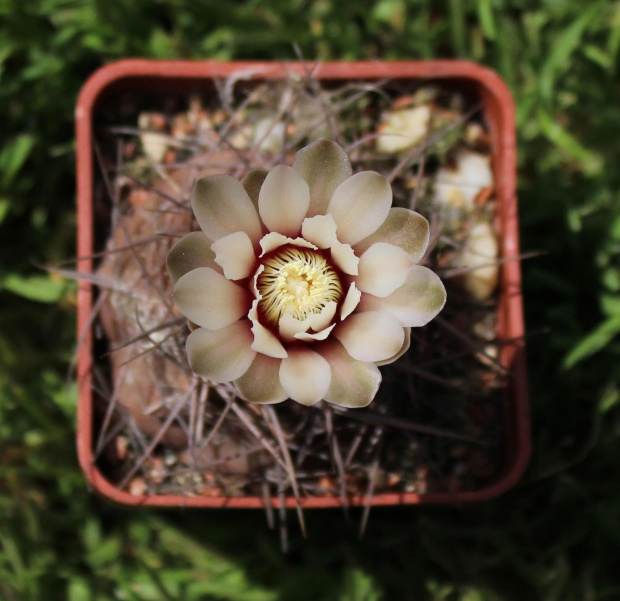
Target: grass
x: 555, y: 537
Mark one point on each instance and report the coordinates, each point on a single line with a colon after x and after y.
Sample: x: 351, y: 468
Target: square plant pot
x: 114, y: 84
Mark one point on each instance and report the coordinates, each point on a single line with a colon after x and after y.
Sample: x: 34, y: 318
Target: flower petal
x: 208, y: 299
x: 382, y: 269
x: 235, y: 254
x: 273, y: 240
x: 253, y: 182
x: 324, y: 165
x: 403, y: 228
x: 351, y: 300
x: 323, y: 319
x: 221, y: 355
x: 403, y: 349
x: 360, y: 205
x: 321, y: 230
x: 415, y: 303
x: 254, y: 281
x: 345, y: 259
x: 222, y: 206
x: 310, y: 336
x: 305, y: 375
x: 283, y: 200
x: 371, y: 336
x: 264, y: 340
x: 191, y: 251
x: 354, y: 383
x: 261, y: 383
x: 289, y: 326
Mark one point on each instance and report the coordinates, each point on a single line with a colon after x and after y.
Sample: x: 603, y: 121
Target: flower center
x: 296, y: 281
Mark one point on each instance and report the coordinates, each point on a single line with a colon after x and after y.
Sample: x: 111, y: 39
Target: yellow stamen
x: 296, y: 281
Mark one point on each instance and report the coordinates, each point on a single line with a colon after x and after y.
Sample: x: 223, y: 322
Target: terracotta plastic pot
x: 164, y: 76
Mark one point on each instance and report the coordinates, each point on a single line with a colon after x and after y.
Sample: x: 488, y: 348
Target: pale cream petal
x: 324, y: 318
x: 221, y: 355
x: 253, y: 182
x: 403, y: 349
x: 351, y: 300
x: 382, y: 269
x: 254, y: 279
x: 305, y: 375
x: 360, y: 205
x: 191, y: 251
x: 289, y: 326
x: 264, y: 340
x: 208, y: 299
x: 283, y: 200
x: 415, y: 303
x: 320, y: 230
x: 235, y: 254
x: 345, y: 259
x: 324, y: 165
x: 273, y: 240
x: 261, y: 383
x: 354, y: 383
x: 310, y: 336
x: 403, y: 228
x: 222, y: 206
x: 371, y: 336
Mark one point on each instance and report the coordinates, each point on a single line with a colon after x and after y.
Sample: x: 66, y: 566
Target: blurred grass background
x: 554, y: 537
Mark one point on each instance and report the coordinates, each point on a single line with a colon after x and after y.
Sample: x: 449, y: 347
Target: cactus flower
x: 302, y: 281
